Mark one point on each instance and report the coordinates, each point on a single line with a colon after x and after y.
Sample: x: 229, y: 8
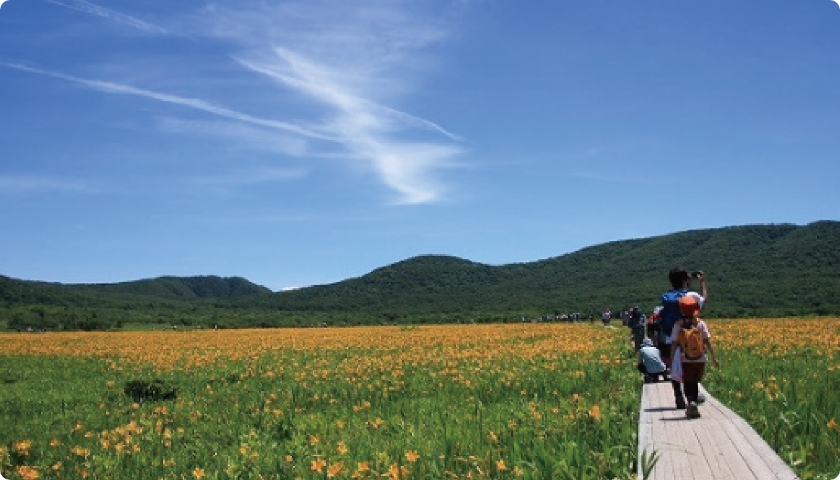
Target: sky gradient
x: 305, y: 142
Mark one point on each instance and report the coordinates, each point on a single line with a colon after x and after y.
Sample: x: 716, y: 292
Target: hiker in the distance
x: 680, y: 281
x: 637, y: 322
x: 653, y: 325
x: 690, y: 340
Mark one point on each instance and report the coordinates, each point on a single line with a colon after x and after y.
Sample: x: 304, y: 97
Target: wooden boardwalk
x: 718, y: 446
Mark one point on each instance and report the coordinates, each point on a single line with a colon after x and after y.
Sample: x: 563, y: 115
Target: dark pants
x: 692, y: 375
x: 638, y: 337
x: 678, y: 394
x: 692, y: 389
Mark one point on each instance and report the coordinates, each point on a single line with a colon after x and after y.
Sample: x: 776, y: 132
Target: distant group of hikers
x: 673, y: 342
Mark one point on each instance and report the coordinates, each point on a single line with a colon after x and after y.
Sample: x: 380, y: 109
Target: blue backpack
x: 670, y: 312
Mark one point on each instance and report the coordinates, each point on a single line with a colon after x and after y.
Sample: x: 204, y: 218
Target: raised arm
x: 704, y: 290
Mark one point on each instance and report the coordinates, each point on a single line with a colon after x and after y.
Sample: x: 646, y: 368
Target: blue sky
x: 305, y: 142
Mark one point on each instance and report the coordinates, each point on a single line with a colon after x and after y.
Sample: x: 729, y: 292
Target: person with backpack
x: 690, y: 340
x: 652, y: 328
x: 670, y: 312
x: 637, y: 323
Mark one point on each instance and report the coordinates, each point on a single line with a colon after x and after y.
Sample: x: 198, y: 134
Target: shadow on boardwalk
x: 718, y: 446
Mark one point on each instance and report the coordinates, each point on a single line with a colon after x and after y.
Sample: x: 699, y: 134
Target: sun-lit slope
x: 761, y: 270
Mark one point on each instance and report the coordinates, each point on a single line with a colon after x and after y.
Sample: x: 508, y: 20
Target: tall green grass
x: 326, y: 414
x: 792, y: 399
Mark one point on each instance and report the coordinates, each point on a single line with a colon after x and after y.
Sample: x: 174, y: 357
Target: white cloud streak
x: 310, y: 80
x: 346, y: 57
x: 99, y: 11
x: 352, y: 59
x: 244, y: 135
x: 197, y: 104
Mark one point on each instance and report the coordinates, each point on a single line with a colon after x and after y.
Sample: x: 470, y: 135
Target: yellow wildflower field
x: 166, y: 349
x: 531, y: 401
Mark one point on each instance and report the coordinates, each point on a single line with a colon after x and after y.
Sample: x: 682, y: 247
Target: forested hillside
x: 160, y: 289
x: 762, y: 270
x: 164, y: 300
x: 756, y: 270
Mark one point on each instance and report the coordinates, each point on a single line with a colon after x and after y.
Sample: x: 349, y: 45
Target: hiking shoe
x: 692, y: 411
x: 701, y: 399
x: 680, y: 404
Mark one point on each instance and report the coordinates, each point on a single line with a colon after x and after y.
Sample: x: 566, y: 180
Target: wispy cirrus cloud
x: 354, y: 59
x: 194, y: 103
x: 314, y: 81
x: 353, y: 62
x: 100, y: 11
x: 368, y: 131
x: 244, y: 136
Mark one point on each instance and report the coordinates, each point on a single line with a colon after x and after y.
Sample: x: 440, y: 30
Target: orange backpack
x: 691, y: 340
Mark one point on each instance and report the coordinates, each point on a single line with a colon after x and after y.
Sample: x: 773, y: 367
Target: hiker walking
x: 690, y: 340
x: 680, y: 281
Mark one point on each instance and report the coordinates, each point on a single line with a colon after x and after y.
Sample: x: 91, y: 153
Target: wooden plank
x: 712, y: 409
x: 779, y: 468
x: 671, y: 444
x: 706, y: 433
x: 648, y: 402
x: 676, y: 454
x: 645, y: 442
x: 655, y: 438
x: 771, y: 458
x: 699, y: 464
x: 718, y: 446
x: 664, y: 467
x: 644, y: 430
x: 729, y: 451
x: 665, y: 395
x: 646, y: 416
x: 747, y: 451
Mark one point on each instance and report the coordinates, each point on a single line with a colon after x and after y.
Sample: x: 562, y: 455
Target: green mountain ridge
x: 187, y: 287
x: 753, y: 270
x: 165, y: 288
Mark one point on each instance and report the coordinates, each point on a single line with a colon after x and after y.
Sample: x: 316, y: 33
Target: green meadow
x: 481, y: 401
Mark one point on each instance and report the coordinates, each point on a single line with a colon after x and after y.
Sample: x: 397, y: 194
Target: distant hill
x: 160, y: 289
x: 754, y: 270
x: 757, y: 270
x: 184, y: 288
